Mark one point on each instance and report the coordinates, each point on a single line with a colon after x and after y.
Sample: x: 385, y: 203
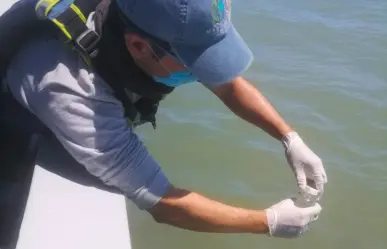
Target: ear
x: 137, y: 46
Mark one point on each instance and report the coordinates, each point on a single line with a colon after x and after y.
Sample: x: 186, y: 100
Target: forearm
x: 189, y: 210
x: 249, y: 104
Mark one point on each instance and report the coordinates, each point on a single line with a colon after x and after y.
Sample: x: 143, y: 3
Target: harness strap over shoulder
x: 72, y: 22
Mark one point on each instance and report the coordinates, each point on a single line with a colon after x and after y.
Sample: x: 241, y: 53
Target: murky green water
x: 323, y: 64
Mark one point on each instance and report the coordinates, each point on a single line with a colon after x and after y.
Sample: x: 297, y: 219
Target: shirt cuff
x: 150, y: 195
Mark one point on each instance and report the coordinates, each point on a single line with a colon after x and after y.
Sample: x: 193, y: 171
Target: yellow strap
x: 63, y: 28
x: 48, y: 5
x: 87, y: 60
x: 79, y: 12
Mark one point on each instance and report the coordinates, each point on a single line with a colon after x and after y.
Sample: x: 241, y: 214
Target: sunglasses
x: 129, y: 26
x: 162, y: 50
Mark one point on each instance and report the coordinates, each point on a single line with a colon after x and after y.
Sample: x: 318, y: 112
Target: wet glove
x: 304, y: 163
x: 286, y: 220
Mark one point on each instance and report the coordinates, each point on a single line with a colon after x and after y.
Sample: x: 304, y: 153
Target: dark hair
x: 158, y: 46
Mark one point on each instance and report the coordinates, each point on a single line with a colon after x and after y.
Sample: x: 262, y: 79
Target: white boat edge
x: 62, y: 214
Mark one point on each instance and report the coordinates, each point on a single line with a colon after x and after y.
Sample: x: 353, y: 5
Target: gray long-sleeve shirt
x: 56, y: 85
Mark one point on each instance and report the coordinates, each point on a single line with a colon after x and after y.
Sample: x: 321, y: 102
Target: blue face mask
x: 176, y: 78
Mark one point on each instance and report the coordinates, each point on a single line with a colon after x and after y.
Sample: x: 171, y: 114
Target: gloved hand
x: 286, y: 220
x: 304, y: 163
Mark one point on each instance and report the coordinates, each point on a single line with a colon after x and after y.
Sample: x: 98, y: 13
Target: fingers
x: 288, y: 221
x: 301, y: 177
x: 313, y: 212
x: 325, y: 178
x: 319, y: 181
x: 319, y: 175
x: 315, y: 217
x: 316, y: 183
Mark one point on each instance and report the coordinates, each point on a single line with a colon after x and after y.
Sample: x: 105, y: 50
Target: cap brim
x: 217, y: 63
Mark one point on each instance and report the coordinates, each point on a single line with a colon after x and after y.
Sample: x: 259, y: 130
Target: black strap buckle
x: 87, y: 42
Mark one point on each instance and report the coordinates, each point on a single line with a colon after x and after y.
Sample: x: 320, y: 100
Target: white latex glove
x: 304, y: 163
x: 286, y: 220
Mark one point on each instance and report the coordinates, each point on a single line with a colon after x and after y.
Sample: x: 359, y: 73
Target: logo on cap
x: 221, y: 10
